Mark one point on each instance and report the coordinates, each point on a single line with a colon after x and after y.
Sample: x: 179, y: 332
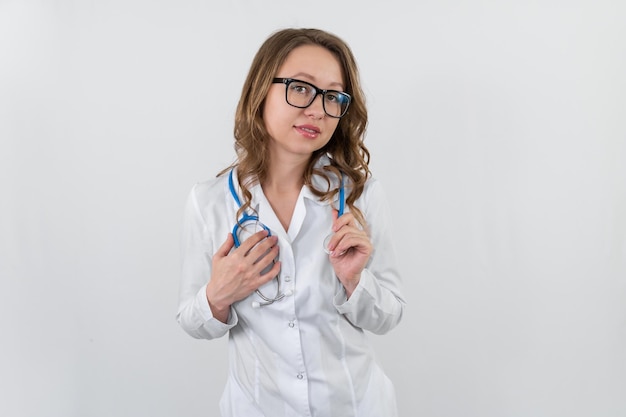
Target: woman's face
x: 295, y: 131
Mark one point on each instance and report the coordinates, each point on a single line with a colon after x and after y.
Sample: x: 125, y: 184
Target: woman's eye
x: 332, y: 97
x: 300, y: 89
x: 336, y: 97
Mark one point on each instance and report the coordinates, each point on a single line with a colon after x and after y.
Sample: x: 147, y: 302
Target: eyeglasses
x: 301, y: 94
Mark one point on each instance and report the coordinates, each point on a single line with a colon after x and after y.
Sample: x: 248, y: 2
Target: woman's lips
x: 308, y: 131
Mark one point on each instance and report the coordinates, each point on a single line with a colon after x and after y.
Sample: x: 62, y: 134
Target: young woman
x: 289, y: 250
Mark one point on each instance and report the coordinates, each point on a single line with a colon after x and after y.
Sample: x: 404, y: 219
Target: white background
x: 497, y: 128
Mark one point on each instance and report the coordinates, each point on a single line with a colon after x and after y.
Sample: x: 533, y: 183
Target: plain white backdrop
x: 497, y: 128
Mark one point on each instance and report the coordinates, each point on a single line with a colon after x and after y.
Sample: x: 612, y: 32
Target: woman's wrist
x: 220, y: 310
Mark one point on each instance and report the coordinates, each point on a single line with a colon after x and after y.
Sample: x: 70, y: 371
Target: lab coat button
x: 291, y: 324
x: 300, y: 376
x: 287, y: 278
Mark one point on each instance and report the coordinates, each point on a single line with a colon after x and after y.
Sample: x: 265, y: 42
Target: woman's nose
x: 316, y: 108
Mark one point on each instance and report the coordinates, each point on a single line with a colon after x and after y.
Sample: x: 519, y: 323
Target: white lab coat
x: 307, y: 354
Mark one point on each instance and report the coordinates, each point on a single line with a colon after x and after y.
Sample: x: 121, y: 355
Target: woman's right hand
x: 237, y: 273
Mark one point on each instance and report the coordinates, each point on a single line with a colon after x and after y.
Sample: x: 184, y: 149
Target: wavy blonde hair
x: 345, y: 149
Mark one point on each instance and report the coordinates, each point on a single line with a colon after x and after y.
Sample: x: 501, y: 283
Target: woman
x: 257, y: 263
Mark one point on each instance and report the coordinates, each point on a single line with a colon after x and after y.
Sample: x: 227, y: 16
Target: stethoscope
x: 253, y: 220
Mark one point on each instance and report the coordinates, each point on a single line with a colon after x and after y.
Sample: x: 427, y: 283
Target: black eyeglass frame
x: 318, y: 91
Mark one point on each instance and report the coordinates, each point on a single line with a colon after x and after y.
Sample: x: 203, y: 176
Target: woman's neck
x: 285, y: 176
x: 281, y: 187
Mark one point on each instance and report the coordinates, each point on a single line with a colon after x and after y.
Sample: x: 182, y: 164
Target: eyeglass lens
x: 301, y: 94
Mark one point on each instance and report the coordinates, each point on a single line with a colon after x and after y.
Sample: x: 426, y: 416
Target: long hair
x: 345, y: 149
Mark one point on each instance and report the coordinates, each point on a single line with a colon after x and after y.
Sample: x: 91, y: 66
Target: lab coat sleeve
x: 194, y: 314
x: 377, y: 304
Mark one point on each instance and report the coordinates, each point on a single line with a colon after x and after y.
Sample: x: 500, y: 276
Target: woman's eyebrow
x: 313, y: 79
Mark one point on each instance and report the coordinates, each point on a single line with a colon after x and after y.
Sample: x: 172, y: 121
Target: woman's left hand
x: 350, y: 249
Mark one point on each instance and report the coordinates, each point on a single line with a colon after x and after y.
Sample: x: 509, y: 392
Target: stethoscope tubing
x: 245, y: 217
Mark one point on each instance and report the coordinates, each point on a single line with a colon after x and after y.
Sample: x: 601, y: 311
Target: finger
x: 335, y: 214
x: 253, y: 240
x: 335, y: 240
x: 336, y: 237
x: 345, y: 220
x: 269, y: 275
x: 262, y: 248
x: 265, y: 252
x: 352, y: 240
x: 226, y: 246
x: 343, y: 229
